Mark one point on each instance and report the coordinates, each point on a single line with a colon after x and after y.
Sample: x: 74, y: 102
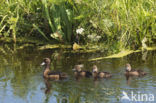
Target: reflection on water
x: 21, y: 78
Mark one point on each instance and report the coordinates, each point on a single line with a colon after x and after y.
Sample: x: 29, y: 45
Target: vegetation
x: 117, y: 24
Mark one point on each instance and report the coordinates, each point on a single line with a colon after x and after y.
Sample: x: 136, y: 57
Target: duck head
x: 95, y: 69
x: 77, y: 68
x: 46, y: 61
x: 128, y: 67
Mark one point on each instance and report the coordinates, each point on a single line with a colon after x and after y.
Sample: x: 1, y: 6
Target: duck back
x: 88, y: 74
x: 134, y: 72
x: 141, y: 73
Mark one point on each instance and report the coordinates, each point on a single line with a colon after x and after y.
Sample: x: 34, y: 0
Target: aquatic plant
x: 118, y: 24
x: 23, y: 18
x: 121, y: 24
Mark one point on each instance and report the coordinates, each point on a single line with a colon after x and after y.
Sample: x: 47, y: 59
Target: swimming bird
x: 78, y: 72
x: 48, y: 74
x: 132, y: 72
x: 97, y: 74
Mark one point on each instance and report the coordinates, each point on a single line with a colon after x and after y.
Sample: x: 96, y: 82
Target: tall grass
x: 45, y: 17
x: 119, y: 24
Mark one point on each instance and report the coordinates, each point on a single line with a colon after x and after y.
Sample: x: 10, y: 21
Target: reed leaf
x: 40, y: 32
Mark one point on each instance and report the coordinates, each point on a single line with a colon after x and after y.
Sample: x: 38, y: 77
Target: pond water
x: 21, y: 79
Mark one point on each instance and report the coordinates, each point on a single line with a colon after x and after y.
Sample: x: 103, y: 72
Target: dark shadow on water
x: 48, y: 86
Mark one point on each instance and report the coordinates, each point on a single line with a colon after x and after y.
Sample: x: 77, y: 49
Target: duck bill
x: 43, y: 63
x: 94, y: 71
x: 74, y: 69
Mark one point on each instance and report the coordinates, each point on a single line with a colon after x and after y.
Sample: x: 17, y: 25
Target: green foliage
x: 46, y: 17
x: 119, y: 24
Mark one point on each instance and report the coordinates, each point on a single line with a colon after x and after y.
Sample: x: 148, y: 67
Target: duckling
x: 48, y: 74
x: 78, y: 72
x: 97, y: 74
x: 132, y: 72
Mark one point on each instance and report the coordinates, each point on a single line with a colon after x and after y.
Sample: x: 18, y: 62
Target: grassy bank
x: 118, y: 24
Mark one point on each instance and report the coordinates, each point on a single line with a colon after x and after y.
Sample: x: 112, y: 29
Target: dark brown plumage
x: 78, y: 72
x: 97, y: 74
x: 132, y: 72
x: 48, y: 74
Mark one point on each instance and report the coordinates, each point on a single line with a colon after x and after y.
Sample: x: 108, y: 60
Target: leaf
x: 76, y: 46
x: 78, y: 17
x: 3, y: 20
x: 41, y: 32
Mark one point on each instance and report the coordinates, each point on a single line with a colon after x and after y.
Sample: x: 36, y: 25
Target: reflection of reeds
x: 5, y: 51
x: 16, y: 70
x: 74, y: 97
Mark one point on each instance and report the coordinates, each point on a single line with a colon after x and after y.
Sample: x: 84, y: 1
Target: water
x: 21, y: 78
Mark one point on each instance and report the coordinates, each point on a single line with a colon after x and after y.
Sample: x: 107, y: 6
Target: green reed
x: 118, y: 23
x: 46, y: 17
